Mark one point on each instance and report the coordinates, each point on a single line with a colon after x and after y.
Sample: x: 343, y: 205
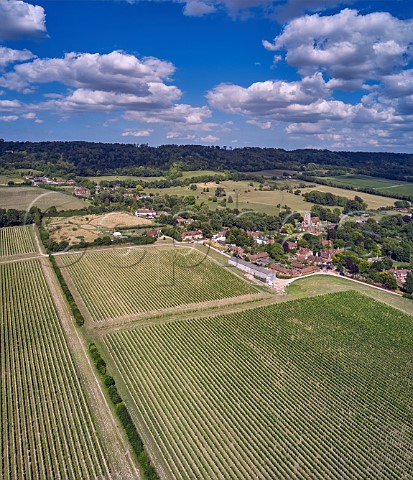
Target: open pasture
x: 381, y: 185
x: 247, y: 197
x: 5, y: 179
x: 22, y: 198
x: 373, y: 201
x: 129, y: 281
x: 316, y: 388
x: 46, y: 429
x: 17, y: 241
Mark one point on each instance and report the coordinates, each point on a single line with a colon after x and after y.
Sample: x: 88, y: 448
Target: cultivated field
x: 46, y: 430
x: 89, y: 227
x: 317, y: 388
x: 22, y: 198
x: 17, y: 241
x: 126, y: 282
x: 382, y: 185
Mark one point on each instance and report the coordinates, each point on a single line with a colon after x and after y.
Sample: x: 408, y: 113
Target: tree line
x: 91, y: 159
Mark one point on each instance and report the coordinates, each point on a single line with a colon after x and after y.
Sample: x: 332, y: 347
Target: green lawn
x: 4, y: 179
x: 321, y: 284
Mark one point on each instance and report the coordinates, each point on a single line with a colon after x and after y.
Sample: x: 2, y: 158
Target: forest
x: 69, y: 159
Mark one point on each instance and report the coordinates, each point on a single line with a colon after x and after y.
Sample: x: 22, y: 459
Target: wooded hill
x: 87, y: 158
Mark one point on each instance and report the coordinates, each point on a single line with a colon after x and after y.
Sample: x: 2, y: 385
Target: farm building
x: 152, y: 233
x: 81, y: 191
x: 400, y: 274
x: 258, y: 256
x: 194, y: 235
x: 261, y: 273
x: 145, y: 213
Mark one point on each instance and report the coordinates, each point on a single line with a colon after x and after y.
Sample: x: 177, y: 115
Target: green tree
x: 408, y: 286
x: 276, y: 251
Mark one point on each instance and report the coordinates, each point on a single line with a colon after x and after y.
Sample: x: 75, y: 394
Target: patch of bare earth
x: 89, y: 227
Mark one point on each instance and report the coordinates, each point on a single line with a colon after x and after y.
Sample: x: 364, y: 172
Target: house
x: 327, y: 254
x: 81, y: 191
x: 375, y: 259
x: 237, y: 250
x: 194, y: 235
x: 263, y: 240
x: 286, y: 272
x: 316, y: 260
x: 303, y: 254
x: 290, y: 245
x: 145, y: 213
x: 400, y: 274
x: 220, y: 237
x: 152, y: 233
x: 258, y: 256
x: 263, y: 274
x: 183, y: 221
x: 326, y: 243
x: 309, y: 269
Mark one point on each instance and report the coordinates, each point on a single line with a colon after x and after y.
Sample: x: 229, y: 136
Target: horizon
x: 331, y: 75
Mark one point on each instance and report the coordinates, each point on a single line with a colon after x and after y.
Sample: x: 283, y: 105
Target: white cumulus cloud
x: 10, y: 55
x: 348, y: 47
x: 115, y: 71
x: 21, y: 19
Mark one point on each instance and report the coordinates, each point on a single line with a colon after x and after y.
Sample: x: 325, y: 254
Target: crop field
x: 382, y: 185
x: 315, y: 388
x: 126, y: 282
x: 46, y: 430
x: 17, y: 241
x: 22, y: 198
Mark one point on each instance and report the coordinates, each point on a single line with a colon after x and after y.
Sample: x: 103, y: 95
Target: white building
x: 261, y: 273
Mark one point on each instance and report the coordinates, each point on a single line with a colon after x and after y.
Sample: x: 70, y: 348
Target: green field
x: 17, y: 241
x: 322, y: 284
x: 46, y: 429
x: 4, y: 179
x: 381, y: 185
x: 316, y: 388
x: 128, y: 282
x: 200, y: 173
x: 186, y: 174
x: 247, y: 197
x: 22, y: 198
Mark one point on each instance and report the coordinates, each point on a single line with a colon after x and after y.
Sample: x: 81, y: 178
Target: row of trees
x: 327, y: 198
x: 123, y: 414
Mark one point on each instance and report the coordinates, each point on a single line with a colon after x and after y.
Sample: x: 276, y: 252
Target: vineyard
x: 123, y: 282
x: 16, y: 241
x: 316, y: 388
x: 46, y: 429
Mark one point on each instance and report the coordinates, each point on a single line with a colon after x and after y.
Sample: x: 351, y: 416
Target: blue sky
x: 283, y: 73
